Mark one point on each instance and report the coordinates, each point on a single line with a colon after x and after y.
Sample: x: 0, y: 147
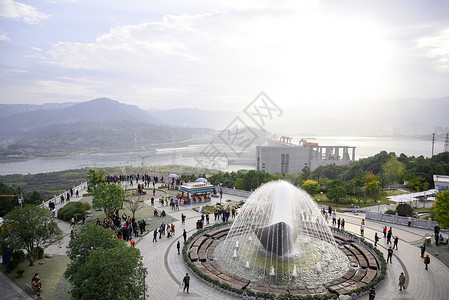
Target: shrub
x: 38, y: 253
x: 20, y: 272
x: 390, y: 212
x: 86, y: 206
x: 11, y: 265
x: 404, y: 210
x: 69, y: 210
x: 18, y: 255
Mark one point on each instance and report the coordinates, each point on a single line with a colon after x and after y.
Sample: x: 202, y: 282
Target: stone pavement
x: 166, y: 268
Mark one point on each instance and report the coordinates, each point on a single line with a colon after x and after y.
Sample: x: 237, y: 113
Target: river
x: 366, y: 146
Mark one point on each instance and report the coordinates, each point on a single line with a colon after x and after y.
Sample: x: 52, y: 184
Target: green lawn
x: 50, y: 271
x: 348, y: 201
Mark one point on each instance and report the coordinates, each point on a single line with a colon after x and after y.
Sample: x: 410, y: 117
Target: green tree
x: 108, y: 197
x: 336, y: 190
x: 29, y: 227
x: 393, y: 170
x: 103, y: 267
x: 134, y: 203
x: 95, y: 178
x: 373, y: 185
x: 8, y: 199
x: 404, y: 210
x: 83, y: 241
x: 442, y: 209
x: 305, y: 174
x: 310, y: 186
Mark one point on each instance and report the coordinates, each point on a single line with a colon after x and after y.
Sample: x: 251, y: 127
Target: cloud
x: 17, y: 10
x: 437, y: 47
x: 4, y: 37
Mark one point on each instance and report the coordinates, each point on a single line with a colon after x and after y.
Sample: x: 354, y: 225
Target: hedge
x: 71, y: 209
x: 235, y: 291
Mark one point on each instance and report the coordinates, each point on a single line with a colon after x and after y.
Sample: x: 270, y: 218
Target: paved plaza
x: 166, y: 268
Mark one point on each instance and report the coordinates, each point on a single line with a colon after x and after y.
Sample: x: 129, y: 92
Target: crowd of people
x: 124, y: 227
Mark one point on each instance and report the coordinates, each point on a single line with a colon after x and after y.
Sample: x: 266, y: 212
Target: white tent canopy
x: 414, y: 196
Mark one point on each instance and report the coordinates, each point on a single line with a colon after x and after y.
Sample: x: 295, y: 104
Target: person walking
x: 423, y: 249
x: 376, y: 239
x: 362, y: 229
x: 155, y: 235
x: 343, y: 224
x: 385, y: 231
x: 184, y: 235
x: 427, y: 261
x: 390, y: 255
x: 395, y: 242
x: 178, y: 246
x: 402, y: 281
x: 372, y: 294
x: 186, y: 282
x: 409, y: 219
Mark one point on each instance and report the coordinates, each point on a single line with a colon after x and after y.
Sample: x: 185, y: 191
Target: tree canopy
x: 29, y: 227
x: 336, y: 190
x: 103, y: 267
x: 95, y: 178
x: 108, y: 197
x: 442, y: 209
x: 310, y: 186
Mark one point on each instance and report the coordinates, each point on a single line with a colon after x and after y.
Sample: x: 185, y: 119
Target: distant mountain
x: 100, y: 110
x: 12, y: 109
x: 193, y: 117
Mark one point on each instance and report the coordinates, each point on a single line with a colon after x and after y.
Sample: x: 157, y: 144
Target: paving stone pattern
x: 166, y: 268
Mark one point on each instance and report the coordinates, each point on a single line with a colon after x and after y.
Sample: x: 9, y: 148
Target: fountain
x: 295, y: 272
x: 282, y: 239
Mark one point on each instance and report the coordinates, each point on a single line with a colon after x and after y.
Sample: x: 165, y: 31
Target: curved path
x: 166, y: 268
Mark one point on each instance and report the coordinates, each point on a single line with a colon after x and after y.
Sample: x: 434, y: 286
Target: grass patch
x: 51, y: 272
x: 354, y: 202
x: 146, y: 212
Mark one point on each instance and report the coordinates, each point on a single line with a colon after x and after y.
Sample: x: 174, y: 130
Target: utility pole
x: 433, y: 142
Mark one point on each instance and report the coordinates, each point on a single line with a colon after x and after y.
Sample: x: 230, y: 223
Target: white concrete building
x: 441, y: 182
x: 291, y: 159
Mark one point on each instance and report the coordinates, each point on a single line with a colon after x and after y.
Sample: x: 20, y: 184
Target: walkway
x: 166, y: 268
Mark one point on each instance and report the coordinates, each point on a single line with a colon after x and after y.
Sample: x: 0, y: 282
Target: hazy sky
x: 221, y: 54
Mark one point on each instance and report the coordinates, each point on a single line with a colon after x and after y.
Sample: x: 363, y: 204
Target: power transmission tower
x: 446, y: 143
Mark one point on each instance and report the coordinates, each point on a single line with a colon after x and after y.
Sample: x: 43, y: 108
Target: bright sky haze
x: 221, y: 54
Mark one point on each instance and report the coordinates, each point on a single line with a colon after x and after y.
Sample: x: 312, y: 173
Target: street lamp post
x: 144, y: 271
x: 378, y: 206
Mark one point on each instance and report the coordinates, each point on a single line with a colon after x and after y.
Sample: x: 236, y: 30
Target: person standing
x: 186, y: 282
x: 390, y: 255
x: 155, y: 235
x: 372, y: 294
x: 376, y: 239
x: 385, y: 231
x: 427, y: 261
x: 409, y: 221
x: 436, y: 231
x: 401, y: 281
x: 423, y: 249
x: 184, y: 235
x: 390, y: 233
x: 395, y: 243
x: 362, y: 229
x: 338, y: 223
x: 178, y: 246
